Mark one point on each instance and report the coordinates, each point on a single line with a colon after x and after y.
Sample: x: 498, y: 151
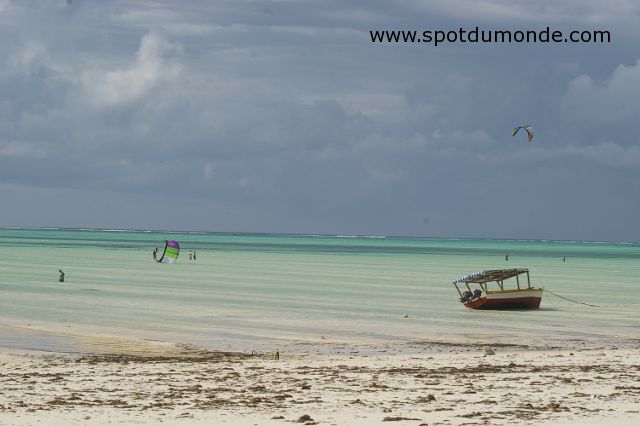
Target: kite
x: 171, y: 252
x: 525, y: 127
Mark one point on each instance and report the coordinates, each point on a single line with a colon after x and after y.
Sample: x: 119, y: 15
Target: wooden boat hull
x: 529, y: 298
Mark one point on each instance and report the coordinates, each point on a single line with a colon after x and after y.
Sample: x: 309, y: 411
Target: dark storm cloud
x: 282, y: 116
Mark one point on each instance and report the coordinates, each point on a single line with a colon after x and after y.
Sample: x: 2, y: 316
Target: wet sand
x: 436, y: 384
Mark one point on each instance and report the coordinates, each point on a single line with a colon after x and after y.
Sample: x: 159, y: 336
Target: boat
x: 482, y: 297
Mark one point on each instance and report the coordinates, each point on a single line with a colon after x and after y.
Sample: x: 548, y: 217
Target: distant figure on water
x: 190, y: 255
x: 506, y: 257
x: 194, y: 255
x: 61, y: 279
x: 564, y: 259
x: 155, y: 254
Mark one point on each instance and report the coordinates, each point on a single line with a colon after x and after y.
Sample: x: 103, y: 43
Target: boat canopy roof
x: 492, y: 275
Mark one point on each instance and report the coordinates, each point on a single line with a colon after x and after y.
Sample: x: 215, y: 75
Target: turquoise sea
x: 270, y: 291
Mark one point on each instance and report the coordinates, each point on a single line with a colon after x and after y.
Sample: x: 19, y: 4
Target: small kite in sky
x: 525, y: 127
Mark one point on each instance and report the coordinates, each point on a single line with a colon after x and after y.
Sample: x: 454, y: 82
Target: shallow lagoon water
x: 259, y: 290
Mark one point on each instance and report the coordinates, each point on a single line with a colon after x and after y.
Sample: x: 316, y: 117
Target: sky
x: 282, y: 116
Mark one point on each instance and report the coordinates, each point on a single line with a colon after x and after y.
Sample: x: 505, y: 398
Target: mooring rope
x: 574, y: 301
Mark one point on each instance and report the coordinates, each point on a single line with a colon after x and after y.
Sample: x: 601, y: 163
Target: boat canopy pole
x: 456, y: 285
x: 518, y: 282
x: 528, y: 281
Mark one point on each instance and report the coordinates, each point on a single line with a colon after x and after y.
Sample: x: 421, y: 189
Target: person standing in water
x: 190, y: 255
x: 155, y: 254
x: 194, y: 255
x: 61, y: 279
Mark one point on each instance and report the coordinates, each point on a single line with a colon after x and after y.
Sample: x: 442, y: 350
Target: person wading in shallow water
x: 61, y: 279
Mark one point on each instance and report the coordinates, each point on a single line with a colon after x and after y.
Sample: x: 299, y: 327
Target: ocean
x: 304, y: 292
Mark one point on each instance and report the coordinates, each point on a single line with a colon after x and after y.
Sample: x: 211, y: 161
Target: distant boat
x: 483, y: 298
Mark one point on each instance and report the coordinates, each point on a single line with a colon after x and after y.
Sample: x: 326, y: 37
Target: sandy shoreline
x: 161, y: 382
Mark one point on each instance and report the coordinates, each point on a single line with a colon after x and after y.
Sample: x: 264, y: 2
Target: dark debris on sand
x: 206, y: 380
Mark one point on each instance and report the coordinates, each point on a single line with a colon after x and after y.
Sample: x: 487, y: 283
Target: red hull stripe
x: 511, y: 303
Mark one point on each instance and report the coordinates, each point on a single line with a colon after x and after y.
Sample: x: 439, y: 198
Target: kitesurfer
x: 61, y: 279
x: 170, y: 253
x: 155, y: 254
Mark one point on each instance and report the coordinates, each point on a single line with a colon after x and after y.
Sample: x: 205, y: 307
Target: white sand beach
x: 153, y: 382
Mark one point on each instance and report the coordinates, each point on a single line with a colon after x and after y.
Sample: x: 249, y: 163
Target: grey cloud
x: 615, y: 100
x: 151, y: 67
x: 291, y: 121
x: 550, y: 11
